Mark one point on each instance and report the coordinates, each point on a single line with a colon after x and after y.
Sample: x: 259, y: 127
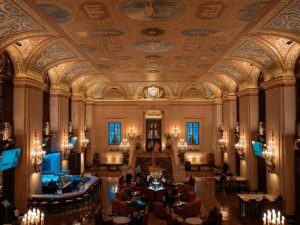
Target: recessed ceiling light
x: 289, y: 42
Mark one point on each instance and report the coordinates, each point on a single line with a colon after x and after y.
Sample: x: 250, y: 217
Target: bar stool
x: 45, y: 205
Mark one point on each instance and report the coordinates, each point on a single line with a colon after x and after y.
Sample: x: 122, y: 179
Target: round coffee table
x: 194, y: 220
x: 121, y: 220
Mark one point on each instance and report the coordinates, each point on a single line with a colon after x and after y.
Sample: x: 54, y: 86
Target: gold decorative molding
x: 284, y: 81
x: 26, y: 82
x: 248, y: 92
x: 59, y: 92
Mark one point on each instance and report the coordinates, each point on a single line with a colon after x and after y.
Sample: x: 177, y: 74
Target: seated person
x: 192, y: 181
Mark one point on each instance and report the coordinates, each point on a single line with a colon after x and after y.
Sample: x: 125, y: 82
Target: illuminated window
x: 192, y: 133
x: 114, y: 133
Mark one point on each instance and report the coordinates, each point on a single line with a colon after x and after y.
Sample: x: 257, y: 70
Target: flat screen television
x: 257, y: 148
x: 9, y: 158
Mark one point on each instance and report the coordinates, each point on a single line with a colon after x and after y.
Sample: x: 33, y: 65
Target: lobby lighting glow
x: 268, y: 152
x: 182, y: 145
x: 124, y: 145
x: 67, y: 146
x: 85, y: 141
x: 273, y: 218
x: 38, y: 154
x: 33, y: 217
x: 132, y: 132
x: 175, y: 132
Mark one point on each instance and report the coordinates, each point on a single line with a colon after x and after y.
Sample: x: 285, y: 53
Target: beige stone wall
x: 132, y: 114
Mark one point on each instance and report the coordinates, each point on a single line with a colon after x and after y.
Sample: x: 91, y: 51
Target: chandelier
x: 67, y: 146
x: 268, y: 152
x: 84, y: 141
x: 273, y: 218
x: 38, y: 154
x: 182, y: 145
x: 222, y: 142
x: 240, y: 146
x: 124, y: 145
x: 34, y: 217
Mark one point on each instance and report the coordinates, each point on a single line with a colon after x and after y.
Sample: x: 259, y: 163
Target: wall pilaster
x: 28, y: 118
x: 248, y: 104
x: 229, y: 121
x: 280, y: 120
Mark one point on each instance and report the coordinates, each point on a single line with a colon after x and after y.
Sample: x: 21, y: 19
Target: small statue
x: 7, y: 131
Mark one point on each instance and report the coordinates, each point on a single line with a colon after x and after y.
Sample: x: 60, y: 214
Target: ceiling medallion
x: 152, y: 56
x: 153, y: 31
x: 153, y: 92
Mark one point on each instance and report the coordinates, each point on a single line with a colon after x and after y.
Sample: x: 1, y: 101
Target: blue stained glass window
x: 114, y: 133
x: 192, y: 133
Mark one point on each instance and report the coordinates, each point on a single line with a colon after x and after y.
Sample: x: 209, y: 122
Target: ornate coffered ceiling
x: 109, y: 49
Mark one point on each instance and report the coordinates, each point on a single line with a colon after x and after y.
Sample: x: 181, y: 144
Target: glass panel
x: 192, y: 137
x: 114, y: 133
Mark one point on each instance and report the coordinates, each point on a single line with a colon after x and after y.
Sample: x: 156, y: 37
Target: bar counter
x: 82, y: 190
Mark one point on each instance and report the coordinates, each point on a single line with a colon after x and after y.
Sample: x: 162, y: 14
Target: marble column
x: 28, y: 118
x: 248, y: 108
x: 78, y: 121
x: 217, y: 124
x: 90, y: 119
x: 229, y: 121
x: 59, y: 119
x: 280, y: 121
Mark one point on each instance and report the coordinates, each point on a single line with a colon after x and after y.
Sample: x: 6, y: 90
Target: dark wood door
x: 153, y: 133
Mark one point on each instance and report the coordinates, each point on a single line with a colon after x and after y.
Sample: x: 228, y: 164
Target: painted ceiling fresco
x: 195, y: 49
x: 186, y: 36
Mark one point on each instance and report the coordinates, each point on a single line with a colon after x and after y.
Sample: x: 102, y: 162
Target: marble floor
x: 205, y: 188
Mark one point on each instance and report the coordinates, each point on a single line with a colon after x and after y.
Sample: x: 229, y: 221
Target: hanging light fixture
x: 85, y: 141
x: 269, y: 154
x: 37, y: 154
x: 67, y: 146
x: 240, y: 146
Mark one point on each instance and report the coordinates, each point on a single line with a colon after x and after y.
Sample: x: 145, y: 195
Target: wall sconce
x: 38, y: 154
x: 222, y: 142
x: 67, y: 146
x: 240, y: 146
x: 84, y: 141
x: 132, y: 132
x: 268, y: 153
x: 124, y: 145
x: 175, y: 132
x: 182, y: 146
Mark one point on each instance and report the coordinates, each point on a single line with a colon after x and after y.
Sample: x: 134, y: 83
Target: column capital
x: 229, y: 97
x: 60, y: 92
x: 248, y: 92
x: 26, y: 82
x: 217, y: 101
x: 77, y: 98
x: 284, y: 81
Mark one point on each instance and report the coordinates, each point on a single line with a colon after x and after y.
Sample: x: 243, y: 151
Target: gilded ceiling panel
x: 289, y: 19
x: 252, y: 51
x: 13, y: 20
x: 53, y: 53
x: 152, y: 40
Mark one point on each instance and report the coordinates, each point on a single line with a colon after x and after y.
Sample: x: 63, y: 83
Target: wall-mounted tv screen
x: 51, y: 163
x: 257, y: 148
x: 9, y: 158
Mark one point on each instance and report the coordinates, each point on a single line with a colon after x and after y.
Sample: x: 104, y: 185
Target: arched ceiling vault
x: 113, y: 49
